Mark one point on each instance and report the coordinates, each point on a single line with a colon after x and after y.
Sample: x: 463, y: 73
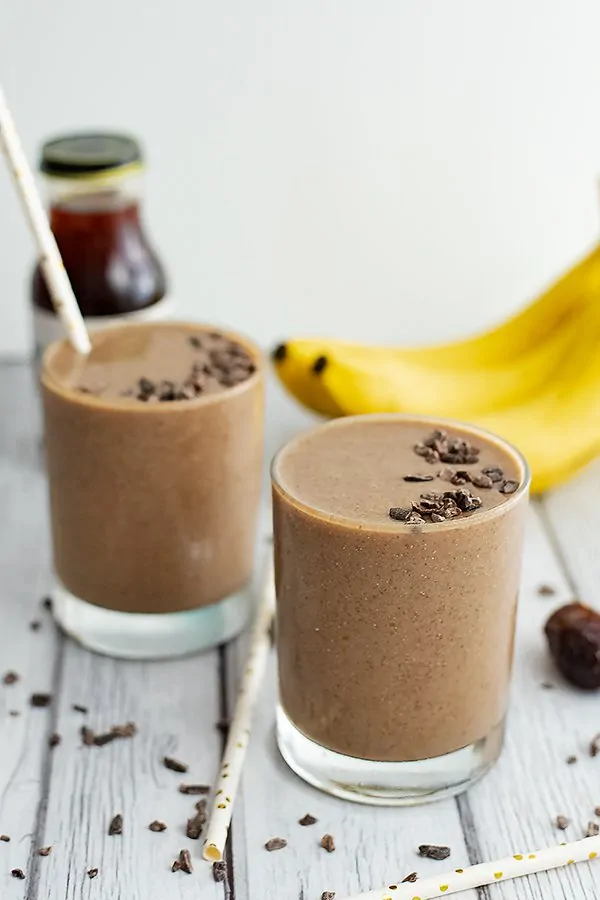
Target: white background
x: 393, y: 170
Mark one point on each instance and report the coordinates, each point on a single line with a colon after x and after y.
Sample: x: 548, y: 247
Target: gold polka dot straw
x: 239, y: 731
x: 487, y: 873
x: 59, y: 286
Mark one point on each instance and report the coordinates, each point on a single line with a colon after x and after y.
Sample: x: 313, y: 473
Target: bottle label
x: 48, y: 328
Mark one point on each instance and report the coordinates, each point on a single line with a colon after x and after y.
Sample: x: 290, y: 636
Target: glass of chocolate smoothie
x: 397, y: 558
x: 154, y: 451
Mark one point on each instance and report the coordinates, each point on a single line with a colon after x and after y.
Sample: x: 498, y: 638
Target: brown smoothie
x: 154, y: 449
x: 395, y: 639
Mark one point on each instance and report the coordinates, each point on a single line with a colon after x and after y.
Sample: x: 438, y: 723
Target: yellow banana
x: 534, y: 379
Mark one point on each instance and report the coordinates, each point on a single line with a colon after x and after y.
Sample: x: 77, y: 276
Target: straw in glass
x: 51, y: 263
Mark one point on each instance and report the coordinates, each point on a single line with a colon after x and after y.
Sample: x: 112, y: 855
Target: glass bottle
x: 94, y: 188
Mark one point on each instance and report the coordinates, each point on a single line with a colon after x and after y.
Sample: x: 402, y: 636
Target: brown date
x: 573, y: 633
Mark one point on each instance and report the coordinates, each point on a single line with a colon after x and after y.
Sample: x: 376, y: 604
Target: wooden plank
x: 573, y: 518
x: 373, y: 845
x: 175, y: 706
x: 66, y: 797
x: 24, y: 568
x: 515, y: 806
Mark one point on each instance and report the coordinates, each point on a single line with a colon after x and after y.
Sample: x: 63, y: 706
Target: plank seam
x: 33, y: 863
x: 224, y: 712
x: 555, y: 545
x: 467, y: 823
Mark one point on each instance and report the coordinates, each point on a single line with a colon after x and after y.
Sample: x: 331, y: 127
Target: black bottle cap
x: 87, y: 153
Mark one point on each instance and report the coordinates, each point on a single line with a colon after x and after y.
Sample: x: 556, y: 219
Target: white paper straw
x: 239, y: 731
x: 487, y: 873
x: 51, y: 263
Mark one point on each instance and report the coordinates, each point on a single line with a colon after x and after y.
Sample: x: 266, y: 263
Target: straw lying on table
x: 51, y: 263
x: 239, y: 731
x: 487, y: 873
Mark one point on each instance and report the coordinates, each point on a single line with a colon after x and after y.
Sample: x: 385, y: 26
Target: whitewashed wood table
x: 66, y: 796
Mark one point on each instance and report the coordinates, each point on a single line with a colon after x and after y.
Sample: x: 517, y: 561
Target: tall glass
x: 395, y: 639
x: 153, y: 504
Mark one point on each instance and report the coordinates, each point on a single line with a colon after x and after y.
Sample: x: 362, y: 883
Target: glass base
x: 386, y: 783
x: 150, y: 636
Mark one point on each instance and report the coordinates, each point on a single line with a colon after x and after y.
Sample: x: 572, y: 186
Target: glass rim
x: 127, y: 405
x: 396, y: 526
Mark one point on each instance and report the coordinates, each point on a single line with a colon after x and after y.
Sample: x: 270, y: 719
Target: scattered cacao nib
x: 116, y: 825
x: 174, y: 764
x: 546, y: 590
x: 328, y: 843
x: 77, y: 707
x: 47, y: 603
x: 194, y: 788
x: 547, y: 685
x: 464, y: 499
x: 400, y: 513
x: 414, y: 519
x: 411, y: 878
x: 40, y: 700
x: 571, y: 760
x: 5, y: 838
x: 92, y: 873
x: 596, y: 812
x: 418, y: 478
x: 429, y: 455
x: 124, y: 731
x: 146, y: 387
x: 508, y: 486
x: 18, y: 873
x: 319, y: 364
x: 35, y: 625
x: 275, y: 843
x: 14, y: 712
x: 196, y: 823
x: 592, y: 829
x: 279, y: 353
x: 573, y: 634
x: 561, y: 822
x: 195, y: 342
x: 307, y: 820
x: 327, y: 895
x: 157, y: 826
x: 446, y: 474
x: 44, y: 851
x: 100, y: 740
x: 437, y: 517
x: 10, y: 678
x: 219, y: 869
x: 434, y: 851
x: 493, y: 472
x: 460, y: 477
x: 87, y: 736
x: 595, y: 745
x: 454, y: 451
x: 482, y: 481
x: 54, y: 740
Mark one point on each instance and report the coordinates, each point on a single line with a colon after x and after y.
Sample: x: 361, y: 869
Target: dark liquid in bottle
x: 110, y: 264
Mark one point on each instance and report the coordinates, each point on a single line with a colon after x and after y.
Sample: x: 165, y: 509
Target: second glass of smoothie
x: 398, y: 548
x: 154, y: 449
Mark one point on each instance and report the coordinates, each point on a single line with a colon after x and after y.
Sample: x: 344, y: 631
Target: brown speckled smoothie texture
x: 394, y: 641
x: 153, y: 505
